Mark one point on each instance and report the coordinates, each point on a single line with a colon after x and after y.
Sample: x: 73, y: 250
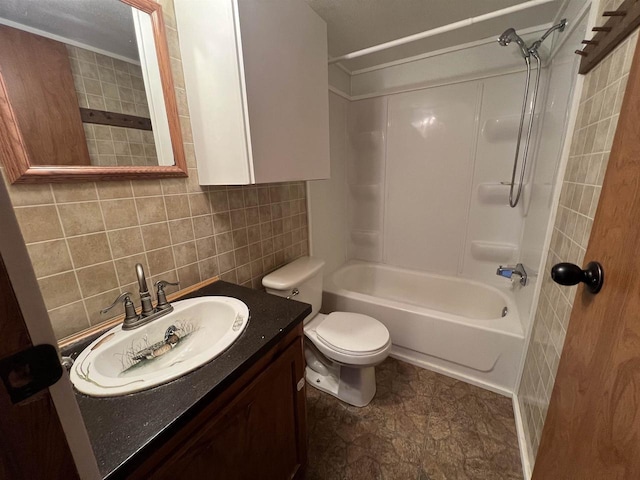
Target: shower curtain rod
x: 435, y: 31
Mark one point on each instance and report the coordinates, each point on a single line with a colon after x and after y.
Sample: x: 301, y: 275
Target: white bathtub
x: 447, y: 324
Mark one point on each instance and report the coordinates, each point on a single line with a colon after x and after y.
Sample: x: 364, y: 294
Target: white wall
x: 327, y: 198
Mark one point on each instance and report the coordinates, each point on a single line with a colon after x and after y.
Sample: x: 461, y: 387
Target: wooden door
x: 32, y: 442
x: 37, y: 83
x: 259, y: 435
x: 592, y: 429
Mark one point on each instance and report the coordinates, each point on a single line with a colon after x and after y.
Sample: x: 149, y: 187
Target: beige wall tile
x: 177, y: 206
x: 49, y: 258
x: 199, y: 203
x: 119, y: 213
x: 39, y: 223
x: 221, y: 222
x: 160, y: 261
x: 81, y: 218
x: 181, y: 230
x: 69, y: 319
x: 242, y: 256
x: 219, y: 201
x: 23, y: 195
x: 146, y: 188
x: 203, y: 226
x: 126, y: 242
x: 97, y: 278
x: 189, y: 275
x: 156, y: 235
x: 208, y: 267
x: 151, y: 209
x: 89, y: 249
x: 59, y: 290
x: 224, y: 242
x: 206, y: 247
x: 73, y: 192
x: 185, y: 253
x: 226, y: 261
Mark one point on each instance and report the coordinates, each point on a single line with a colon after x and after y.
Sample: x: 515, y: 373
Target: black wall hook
x: 571, y: 274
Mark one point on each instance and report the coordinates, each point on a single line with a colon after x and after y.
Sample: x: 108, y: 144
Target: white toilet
x: 342, y: 348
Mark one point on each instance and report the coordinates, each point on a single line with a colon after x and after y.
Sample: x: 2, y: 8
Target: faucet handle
x: 129, y: 308
x: 162, y: 296
x: 163, y: 283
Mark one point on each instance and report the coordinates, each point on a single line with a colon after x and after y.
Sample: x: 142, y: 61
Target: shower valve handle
x: 571, y: 274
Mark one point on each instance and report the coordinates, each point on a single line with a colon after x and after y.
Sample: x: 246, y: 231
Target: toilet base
x: 355, y: 386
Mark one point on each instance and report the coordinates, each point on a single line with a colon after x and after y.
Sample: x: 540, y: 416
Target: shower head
x: 510, y: 35
x: 560, y: 27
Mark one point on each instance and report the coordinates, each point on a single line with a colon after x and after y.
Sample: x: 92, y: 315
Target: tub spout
x: 510, y: 270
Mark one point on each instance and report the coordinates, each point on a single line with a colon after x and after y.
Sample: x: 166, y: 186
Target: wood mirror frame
x: 15, y: 155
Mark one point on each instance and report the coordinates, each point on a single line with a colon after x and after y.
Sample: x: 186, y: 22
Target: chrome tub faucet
x: 509, y: 271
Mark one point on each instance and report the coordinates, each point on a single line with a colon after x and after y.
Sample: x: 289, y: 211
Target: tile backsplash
x: 85, y: 238
x: 593, y: 134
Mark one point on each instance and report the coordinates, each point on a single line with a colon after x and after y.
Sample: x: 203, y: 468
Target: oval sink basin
x: 127, y: 361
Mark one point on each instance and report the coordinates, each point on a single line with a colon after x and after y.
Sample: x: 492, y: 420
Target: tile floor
x: 421, y: 425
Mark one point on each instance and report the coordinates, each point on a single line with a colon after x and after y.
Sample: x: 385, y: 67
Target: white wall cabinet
x: 256, y: 81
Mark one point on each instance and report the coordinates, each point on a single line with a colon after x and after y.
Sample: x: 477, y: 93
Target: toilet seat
x: 353, y: 333
x: 341, y: 341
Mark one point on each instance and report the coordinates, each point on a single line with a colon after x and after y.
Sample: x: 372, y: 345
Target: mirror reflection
x: 84, y: 83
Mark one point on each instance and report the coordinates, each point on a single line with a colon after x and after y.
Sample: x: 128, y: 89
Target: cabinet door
x: 261, y: 434
x: 284, y: 53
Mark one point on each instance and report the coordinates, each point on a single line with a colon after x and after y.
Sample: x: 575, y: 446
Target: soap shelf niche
x: 494, y: 193
x: 493, y: 251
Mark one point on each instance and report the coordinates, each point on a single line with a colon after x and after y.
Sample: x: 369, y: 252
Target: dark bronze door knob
x: 570, y: 274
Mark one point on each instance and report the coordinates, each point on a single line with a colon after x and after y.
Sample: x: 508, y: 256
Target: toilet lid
x: 353, y: 332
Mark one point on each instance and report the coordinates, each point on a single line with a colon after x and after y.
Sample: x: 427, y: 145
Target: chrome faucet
x: 148, y: 312
x: 509, y: 270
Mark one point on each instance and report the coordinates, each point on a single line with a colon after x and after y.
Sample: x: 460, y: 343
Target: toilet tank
x: 304, y: 274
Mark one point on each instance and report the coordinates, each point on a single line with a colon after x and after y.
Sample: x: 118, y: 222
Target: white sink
x: 126, y: 361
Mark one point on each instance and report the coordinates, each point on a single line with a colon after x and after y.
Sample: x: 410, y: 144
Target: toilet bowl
x: 341, y: 348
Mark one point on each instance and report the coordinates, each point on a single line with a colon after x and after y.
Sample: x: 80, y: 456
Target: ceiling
x: 102, y: 24
x: 356, y: 24
x: 352, y: 24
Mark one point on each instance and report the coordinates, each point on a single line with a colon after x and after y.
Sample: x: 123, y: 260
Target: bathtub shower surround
x: 366, y: 170
x: 595, y: 127
x: 84, y: 239
x: 424, y: 173
x: 465, y: 329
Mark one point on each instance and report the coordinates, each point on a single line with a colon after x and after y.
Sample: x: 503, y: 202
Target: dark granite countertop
x: 124, y: 429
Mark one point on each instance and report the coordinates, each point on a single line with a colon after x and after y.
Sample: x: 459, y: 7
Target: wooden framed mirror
x: 84, y: 99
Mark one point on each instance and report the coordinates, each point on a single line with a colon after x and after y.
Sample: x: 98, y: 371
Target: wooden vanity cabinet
x: 255, y: 430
